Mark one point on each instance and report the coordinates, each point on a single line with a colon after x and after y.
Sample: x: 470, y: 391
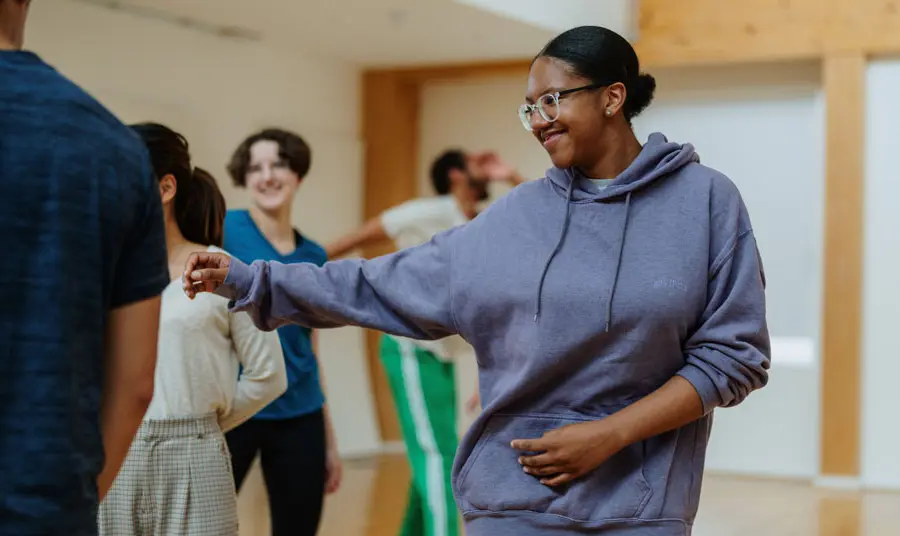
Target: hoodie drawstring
x: 559, y: 243
x: 612, y: 291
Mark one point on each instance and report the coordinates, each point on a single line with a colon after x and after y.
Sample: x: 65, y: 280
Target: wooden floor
x: 373, y: 497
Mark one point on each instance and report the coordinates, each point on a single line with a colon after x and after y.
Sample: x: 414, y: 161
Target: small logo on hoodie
x: 670, y: 283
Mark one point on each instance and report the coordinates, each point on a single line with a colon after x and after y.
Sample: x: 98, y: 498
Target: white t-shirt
x: 416, y: 222
x: 601, y: 183
x: 201, y: 347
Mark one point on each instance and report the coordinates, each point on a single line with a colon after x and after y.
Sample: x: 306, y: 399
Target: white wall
x: 763, y: 126
x: 617, y: 15
x: 216, y: 92
x: 881, y: 287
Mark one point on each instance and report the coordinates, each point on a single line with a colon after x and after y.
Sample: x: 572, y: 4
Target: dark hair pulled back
x: 199, y: 205
x: 604, y: 57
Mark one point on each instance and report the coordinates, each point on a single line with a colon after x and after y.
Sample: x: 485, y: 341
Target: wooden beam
x: 691, y: 32
x: 868, y: 26
x: 844, y: 79
x: 710, y: 31
x: 391, y: 132
x: 461, y: 71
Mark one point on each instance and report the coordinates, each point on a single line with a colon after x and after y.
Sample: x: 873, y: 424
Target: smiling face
x: 576, y: 137
x: 271, y: 181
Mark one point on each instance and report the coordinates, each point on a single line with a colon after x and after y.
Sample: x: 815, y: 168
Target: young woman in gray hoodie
x: 613, y: 305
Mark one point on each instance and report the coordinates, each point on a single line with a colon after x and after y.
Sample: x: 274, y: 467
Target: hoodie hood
x: 658, y: 158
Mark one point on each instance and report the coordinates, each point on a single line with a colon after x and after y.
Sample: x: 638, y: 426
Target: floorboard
x: 372, y: 499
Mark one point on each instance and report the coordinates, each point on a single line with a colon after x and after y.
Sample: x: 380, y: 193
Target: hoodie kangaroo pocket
x: 493, y: 480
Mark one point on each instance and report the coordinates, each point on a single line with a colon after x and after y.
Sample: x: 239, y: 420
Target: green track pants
x: 424, y: 390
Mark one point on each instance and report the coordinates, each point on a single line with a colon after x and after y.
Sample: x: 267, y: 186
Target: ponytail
x: 200, y: 209
x: 199, y: 205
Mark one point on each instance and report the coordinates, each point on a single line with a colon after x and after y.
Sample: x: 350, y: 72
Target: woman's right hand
x: 473, y: 404
x: 204, y: 272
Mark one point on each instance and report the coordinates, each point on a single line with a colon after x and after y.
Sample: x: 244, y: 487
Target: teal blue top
x: 245, y: 241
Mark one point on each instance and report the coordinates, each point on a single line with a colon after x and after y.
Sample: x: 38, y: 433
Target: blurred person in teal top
x: 304, y: 395
x: 293, y: 435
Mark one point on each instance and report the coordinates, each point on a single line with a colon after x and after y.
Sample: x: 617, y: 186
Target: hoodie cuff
x: 703, y: 384
x: 237, y: 283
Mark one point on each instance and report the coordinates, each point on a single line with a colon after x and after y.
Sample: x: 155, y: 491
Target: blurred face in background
x: 270, y: 180
x: 476, y: 179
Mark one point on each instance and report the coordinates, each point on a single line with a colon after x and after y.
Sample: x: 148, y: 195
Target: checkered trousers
x: 176, y: 481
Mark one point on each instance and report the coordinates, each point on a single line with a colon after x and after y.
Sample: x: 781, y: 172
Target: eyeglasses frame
x: 526, y: 108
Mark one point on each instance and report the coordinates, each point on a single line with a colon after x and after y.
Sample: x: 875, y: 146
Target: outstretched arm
x: 495, y: 169
x: 407, y: 293
x: 371, y: 232
x: 386, y: 226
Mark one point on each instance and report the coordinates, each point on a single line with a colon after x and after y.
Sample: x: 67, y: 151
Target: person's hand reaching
x: 204, y: 272
x: 493, y: 167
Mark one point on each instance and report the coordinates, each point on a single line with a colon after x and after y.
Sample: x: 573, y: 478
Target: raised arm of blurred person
x: 496, y: 169
x: 459, y: 180
x: 370, y: 233
x: 402, y: 219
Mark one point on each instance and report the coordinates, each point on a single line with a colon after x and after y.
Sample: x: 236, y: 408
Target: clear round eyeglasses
x: 548, y: 106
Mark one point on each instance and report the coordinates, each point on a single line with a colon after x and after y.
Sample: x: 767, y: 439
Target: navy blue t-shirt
x: 245, y: 241
x: 81, y: 232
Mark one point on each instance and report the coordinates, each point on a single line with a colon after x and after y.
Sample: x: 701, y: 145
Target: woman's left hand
x: 333, y: 470
x: 570, y: 452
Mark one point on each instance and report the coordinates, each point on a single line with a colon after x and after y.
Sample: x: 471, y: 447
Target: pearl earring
x: 608, y: 112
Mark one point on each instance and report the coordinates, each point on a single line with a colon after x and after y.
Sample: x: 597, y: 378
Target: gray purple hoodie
x: 578, y: 301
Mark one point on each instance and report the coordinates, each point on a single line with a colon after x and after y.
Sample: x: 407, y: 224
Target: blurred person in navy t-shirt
x: 83, y: 265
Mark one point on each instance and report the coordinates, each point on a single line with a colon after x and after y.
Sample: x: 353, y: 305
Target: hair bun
x: 640, y: 94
